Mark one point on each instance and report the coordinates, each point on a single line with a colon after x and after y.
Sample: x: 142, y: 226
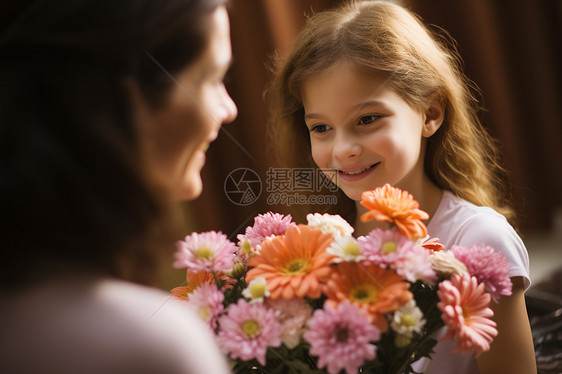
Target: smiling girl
x: 371, y: 97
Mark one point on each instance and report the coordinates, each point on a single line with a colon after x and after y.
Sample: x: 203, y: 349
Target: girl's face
x: 364, y: 131
x: 179, y: 132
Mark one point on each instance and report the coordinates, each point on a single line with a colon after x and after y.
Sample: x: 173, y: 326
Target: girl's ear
x: 434, y: 117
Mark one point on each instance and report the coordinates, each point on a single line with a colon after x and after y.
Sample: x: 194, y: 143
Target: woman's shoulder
x: 171, y: 330
x: 112, y: 325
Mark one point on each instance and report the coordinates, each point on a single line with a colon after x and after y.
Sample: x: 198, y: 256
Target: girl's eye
x: 366, y: 120
x: 319, y: 128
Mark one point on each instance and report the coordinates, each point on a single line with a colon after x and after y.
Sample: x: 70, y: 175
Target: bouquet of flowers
x: 314, y: 299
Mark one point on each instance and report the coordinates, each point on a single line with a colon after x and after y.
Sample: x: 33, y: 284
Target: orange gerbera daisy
x: 295, y: 264
x: 194, y: 280
x: 393, y: 205
x: 372, y: 288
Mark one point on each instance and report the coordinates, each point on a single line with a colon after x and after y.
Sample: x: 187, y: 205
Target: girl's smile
x: 356, y: 173
x: 364, y: 131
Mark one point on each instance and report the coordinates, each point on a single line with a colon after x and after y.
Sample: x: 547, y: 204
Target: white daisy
x: 408, y: 320
x: 346, y: 249
x: 256, y: 290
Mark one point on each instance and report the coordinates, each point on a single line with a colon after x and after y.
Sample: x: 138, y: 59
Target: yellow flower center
x: 389, y: 247
x: 204, y: 312
x: 466, y: 314
x: 258, y: 290
x: 296, y: 266
x: 407, y: 320
x: 246, y: 248
x: 364, y: 293
x: 204, y: 253
x: 251, y: 328
x: 351, y: 249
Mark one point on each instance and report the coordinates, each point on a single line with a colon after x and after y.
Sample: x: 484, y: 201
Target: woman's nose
x: 231, y: 111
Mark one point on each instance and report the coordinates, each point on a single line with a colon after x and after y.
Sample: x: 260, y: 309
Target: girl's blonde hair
x: 384, y: 38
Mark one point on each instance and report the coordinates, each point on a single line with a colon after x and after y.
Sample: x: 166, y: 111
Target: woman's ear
x: 139, y: 105
x: 434, y: 116
x: 141, y: 112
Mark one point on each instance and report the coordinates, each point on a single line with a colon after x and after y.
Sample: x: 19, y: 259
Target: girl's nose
x: 346, y: 146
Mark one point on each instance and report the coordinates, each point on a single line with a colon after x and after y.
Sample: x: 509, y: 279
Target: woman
x: 106, y: 110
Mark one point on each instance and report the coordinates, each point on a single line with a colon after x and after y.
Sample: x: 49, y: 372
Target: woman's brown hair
x: 75, y: 192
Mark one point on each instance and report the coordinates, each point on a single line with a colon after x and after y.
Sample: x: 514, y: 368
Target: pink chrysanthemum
x: 291, y: 315
x: 341, y: 338
x: 415, y: 264
x: 464, y: 306
x: 247, y: 330
x: 266, y: 225
x: 210, y: 251
x: 384, y: 247
x: 207, y: 300
x: 488, y: 266
x: 394, y: 249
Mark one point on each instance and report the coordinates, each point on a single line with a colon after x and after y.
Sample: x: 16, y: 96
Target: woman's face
x: 364, y: 132
x: 180, y: 131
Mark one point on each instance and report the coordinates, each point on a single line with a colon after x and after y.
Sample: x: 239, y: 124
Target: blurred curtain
x: 511, y: 50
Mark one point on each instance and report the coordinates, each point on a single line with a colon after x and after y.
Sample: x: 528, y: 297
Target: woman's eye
x: 319, y: 128
x: 366, y: 120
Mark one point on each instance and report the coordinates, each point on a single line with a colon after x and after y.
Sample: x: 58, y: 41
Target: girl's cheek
x: 320, y: 154
x: 381, y: 143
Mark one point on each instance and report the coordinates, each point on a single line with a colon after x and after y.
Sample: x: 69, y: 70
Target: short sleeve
x: 494, y: 230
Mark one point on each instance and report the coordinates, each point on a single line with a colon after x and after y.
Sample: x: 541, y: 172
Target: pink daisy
x: 210, y: 251
x: 394, y: 249
x: 384, y: 247
x: 464, y: 306
x: 488, y: 266
x: 247, y: 330
x: 415, y: 264
x: 207, y: 300
x: 291, y: 315
x: 341, y: 338
x: 266, y: 225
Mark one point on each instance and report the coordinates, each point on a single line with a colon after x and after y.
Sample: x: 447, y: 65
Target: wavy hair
x: 75, y: 191
x: 386, y: 39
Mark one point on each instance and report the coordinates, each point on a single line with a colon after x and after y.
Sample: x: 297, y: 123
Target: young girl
x: 375, y: 98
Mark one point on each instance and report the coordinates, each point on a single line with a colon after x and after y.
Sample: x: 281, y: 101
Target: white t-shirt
x: 458, y: 222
